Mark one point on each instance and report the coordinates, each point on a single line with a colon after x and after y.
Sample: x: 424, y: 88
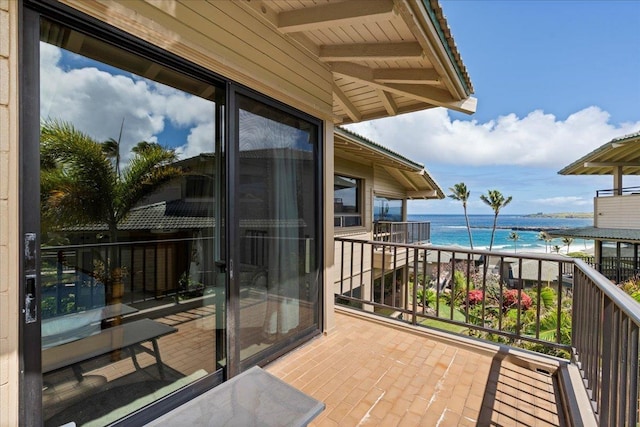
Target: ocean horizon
x: 451, y: 230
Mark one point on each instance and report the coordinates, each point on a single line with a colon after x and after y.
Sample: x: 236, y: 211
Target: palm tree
x: 80, y: 185
x: 496, y: 201
x: 567, y: 241
x: 515, y: 237
x: 459, y: 192
x: 543, y: 235
x: 111, y: 148
x: 143, y: 146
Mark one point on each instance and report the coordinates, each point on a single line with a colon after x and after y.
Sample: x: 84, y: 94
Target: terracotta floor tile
x: 372, y: 374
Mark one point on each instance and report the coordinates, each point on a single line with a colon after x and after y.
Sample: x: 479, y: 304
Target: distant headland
x: 561, y: 215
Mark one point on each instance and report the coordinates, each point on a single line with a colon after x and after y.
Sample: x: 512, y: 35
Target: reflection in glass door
x: 132, y: 272
x: 277, y: 227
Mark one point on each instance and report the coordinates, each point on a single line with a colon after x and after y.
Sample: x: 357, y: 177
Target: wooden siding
x: 387, y: 185
x: 617, y: 212
x: 227, y: 38
x: 9, y: 211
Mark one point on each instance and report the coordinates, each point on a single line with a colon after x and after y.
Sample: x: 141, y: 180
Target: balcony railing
x: 617, y: 269
x: 616, y: 192
x: 402, y: 232
x: 546, y: 303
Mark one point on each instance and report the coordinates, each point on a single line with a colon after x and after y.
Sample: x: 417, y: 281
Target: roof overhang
x: 595, y: 233
x: 416, y: 181
x: 387, y: 56
x: 620, y: 154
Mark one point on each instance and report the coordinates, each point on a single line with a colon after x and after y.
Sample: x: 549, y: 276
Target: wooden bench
x: 74, y: 326
x: 127, y: 336
x: 253, y: 398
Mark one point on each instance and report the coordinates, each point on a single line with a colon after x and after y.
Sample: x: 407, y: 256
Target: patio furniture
x: 127, y: 336
x: 74, y: 326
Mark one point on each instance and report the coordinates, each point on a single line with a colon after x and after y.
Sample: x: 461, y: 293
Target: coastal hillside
x: 561, y: 215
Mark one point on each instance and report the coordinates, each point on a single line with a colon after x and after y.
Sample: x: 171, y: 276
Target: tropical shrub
x: 510, y: 300
x: 475, y: 296
x: 426, y: 297
x: 632, y: 287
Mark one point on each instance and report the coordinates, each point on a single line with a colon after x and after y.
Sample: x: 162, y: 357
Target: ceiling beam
x: 388, y: 102
x: 406, y: 75
x: 426, y: 194
x: 370, y: 52
x: 335, y: 14
x: 402, y: 178
x: 346, y: 104
x: 424, y: 93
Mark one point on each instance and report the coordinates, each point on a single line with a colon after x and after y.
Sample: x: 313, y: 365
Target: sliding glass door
x: 132, y: 276
x: 172, y: 225
x: 277, y: 219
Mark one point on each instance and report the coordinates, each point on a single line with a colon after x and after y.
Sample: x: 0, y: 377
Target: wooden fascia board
x: 335, y: 14
x: 415, y: 16
x: 370, y: 52
x: 422, y: 93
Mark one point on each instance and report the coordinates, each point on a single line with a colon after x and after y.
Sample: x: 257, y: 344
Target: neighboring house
x: 372, y: 185
x: 616, y: 224
x: 255, y: 90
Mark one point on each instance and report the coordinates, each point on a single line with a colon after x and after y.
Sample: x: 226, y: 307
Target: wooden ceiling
x: 387, y: 57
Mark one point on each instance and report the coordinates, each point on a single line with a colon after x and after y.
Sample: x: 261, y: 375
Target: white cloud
x: 564, y: 201
x: 97, y: 102
x: 539, y: 139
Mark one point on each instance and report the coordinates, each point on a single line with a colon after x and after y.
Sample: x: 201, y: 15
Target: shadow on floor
x: 515, y: 395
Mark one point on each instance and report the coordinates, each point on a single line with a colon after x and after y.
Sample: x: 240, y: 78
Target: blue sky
x: 554, y: 80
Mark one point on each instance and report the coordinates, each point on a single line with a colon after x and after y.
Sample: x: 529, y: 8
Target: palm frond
x: 77, y: 178
x: 149, y: 169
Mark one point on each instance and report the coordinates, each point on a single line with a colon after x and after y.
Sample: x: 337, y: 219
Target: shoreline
x: 519, y: 228
x: 529, y: 250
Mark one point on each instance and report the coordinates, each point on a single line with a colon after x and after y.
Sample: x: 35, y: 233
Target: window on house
x: 387, y: 209
x: 347, y: 206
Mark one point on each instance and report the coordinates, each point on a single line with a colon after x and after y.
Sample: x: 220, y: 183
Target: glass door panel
x: 132, y: 272
x: 277, y: 229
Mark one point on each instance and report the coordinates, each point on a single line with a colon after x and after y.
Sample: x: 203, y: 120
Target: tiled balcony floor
x: 372, y: 373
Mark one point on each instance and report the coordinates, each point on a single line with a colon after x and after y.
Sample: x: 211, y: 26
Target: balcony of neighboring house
x: 410, y: 232
x: 448, y: 336
x: 617, y: 208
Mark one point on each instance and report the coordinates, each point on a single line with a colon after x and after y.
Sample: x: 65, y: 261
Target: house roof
x: 177, y: 215
x: 619, y: 152
x: 387, y: 56
x: 412, y: 175
x: 612, y: 234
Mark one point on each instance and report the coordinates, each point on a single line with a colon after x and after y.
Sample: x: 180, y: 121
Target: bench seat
x: 124, y: 336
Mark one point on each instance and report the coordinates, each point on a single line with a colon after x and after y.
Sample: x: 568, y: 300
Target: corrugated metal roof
x: 619, y: 152
x: 411, y: 174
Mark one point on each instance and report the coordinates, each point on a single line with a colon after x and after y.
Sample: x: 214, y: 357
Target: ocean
x: 452, y: 230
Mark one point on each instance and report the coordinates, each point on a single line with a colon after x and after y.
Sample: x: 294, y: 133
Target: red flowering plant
x: 475, y: 296
x: 510, y: 300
